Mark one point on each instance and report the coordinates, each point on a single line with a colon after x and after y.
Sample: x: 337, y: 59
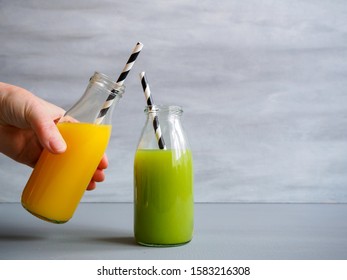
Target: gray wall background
x: 262, y: 83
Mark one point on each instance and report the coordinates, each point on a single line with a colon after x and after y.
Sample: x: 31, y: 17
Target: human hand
x: 28, y: 124
x: 99, y: 174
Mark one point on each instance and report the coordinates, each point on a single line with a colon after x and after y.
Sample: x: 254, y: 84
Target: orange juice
x: 58, y: 181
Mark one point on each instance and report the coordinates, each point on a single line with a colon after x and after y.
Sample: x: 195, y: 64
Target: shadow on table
x: 19, y: 237
x: 123, y: 240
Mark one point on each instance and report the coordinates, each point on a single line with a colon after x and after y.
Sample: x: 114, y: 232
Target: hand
x: 99, y: 174
x: 27, y: 125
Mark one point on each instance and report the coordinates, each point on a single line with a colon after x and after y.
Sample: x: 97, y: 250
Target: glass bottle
x: 58, y: 181
x: 163, y: 180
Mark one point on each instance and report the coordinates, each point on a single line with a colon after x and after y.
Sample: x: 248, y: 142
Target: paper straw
x: 149, y: 100
x: 130, y: 63
x: 120, y: 81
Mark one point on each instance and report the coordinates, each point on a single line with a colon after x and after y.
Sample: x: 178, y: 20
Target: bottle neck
x: 163, y: 129
x: 97, y: 102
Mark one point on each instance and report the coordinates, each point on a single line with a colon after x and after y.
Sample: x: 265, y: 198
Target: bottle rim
x: 162, y: 108
x: 111, y: 85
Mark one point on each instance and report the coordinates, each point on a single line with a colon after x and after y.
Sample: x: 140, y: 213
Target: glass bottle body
x: 58, y: 181
x: 163, y: 181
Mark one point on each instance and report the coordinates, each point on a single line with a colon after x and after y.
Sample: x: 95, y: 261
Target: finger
x: 45, y: 128
x: 91, y: 186
x: 50, y: 137
x: 103, y: 163
x: 99, y: 176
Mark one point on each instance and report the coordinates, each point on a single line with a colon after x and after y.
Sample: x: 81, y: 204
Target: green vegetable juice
x: 163, y: 181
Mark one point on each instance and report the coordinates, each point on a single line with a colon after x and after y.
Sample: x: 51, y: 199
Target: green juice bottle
x: 163, y: 181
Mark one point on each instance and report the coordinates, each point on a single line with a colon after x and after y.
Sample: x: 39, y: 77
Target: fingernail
x: 57, y: 144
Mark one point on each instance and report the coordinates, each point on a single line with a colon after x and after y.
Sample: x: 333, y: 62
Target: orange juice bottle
x: 58, y: 181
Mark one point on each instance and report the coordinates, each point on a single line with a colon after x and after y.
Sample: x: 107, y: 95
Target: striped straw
x: 129, y: 63
x: 120, y: 82
x: 149, y: 100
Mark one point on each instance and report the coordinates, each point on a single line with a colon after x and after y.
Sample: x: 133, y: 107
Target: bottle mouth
x: 112, y: 86
x: 161, y: 108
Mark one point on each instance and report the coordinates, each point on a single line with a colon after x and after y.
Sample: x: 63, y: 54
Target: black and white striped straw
x: 149, y: 100
x: 120, y: 82
x: 129, y: 63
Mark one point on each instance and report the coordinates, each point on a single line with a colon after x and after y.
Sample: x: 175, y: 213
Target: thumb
x: 46, y: 130
x: 49, y: 136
